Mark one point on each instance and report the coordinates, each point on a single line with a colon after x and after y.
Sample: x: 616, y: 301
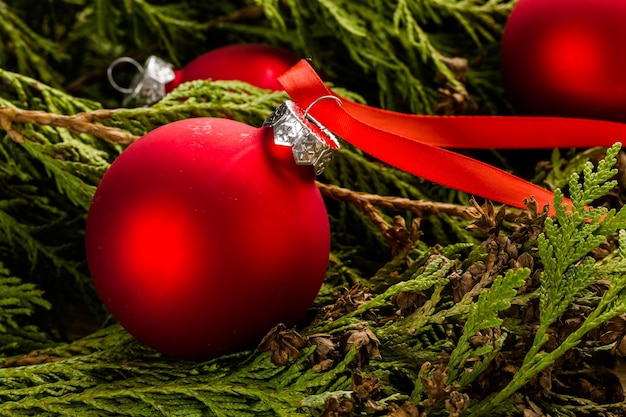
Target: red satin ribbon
x: 415, y: 143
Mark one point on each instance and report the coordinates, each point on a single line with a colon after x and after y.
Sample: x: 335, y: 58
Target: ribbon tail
x: 489, y: 132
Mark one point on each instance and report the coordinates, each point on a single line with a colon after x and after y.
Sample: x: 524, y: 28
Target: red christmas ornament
x: 563, y: 58
x: 206, y: 232
x: 259, y: 65
x: 256, y: 64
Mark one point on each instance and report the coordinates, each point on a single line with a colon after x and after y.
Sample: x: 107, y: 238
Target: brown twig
x: 79, y: 123
x: 419, y: 207
x: 396, y: 234
x: 358, y: 199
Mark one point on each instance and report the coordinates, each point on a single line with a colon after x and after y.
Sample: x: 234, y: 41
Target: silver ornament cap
x: 148, y: 86
x: 311, y: 143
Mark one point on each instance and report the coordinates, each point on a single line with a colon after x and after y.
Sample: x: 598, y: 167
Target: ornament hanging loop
x: 118, y: 61
x: 317, y: 100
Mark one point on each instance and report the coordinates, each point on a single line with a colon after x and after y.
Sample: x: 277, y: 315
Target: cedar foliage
x: 433, y: 304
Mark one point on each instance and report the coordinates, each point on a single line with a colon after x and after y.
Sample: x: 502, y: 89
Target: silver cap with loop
x: 312, y: 144
x: 148, y: 85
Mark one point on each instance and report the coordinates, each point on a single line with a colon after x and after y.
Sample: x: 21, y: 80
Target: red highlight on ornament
x: 562, y: 58
x: 159, y: 243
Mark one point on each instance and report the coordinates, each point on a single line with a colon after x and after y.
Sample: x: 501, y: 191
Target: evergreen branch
x: 612, y: 304
x: 575, y: 406
x: 417, y: 322
x: 431, y: 313
x: 568, y: 239
x: 561, y: 169
x: 20, y: 235
x: 432, y: 275
x: 19, y: 299
x: 124, y: 380
x: 568, y: 271
x: 28, y: 46
x: 483, y: 315
x: 166, y: 22
x: 417, y: 37
x: 140, y: 23
x: 478, y: 18
x: 394, y: 41
x: 69, y: 176
x: 239, y: 100
x: 347, y: 21
x: 33, y: 94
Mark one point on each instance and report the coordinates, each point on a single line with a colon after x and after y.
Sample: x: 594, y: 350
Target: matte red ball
x: 564, y: 58
x: 204, y: 234
x: 256, y: 64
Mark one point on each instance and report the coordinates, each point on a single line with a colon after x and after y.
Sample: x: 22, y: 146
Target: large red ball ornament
x: 564, y: 58
x: 204, y: 234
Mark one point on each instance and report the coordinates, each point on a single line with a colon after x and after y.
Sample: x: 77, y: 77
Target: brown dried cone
x: 408, y: 301
x: 364, y: 341
x: 485, y: 337
x: 399, y: 237
x: 348, y: 302
x: 283, y: 343
x: 461, y: 283
x: 530, y: 222
x: 457, y: 403
x: 408, y: 409
x: 453, y: 101
x: 454, y: 98
x: 435, y: 385
x: 614, y: 331
x: 337, y: 408
x: 503, y: 252
x: 365, y: 389
x: 326, y: 352
x: 486, y: 219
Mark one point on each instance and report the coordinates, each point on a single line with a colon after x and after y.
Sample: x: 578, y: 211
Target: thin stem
x: 79, y: 123
x: 419, y: 207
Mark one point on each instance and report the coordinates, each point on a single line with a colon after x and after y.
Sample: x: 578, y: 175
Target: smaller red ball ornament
x: 206, y: 232
x: 259, y: 65
x: 563, y: 58
x: 255, y: 64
